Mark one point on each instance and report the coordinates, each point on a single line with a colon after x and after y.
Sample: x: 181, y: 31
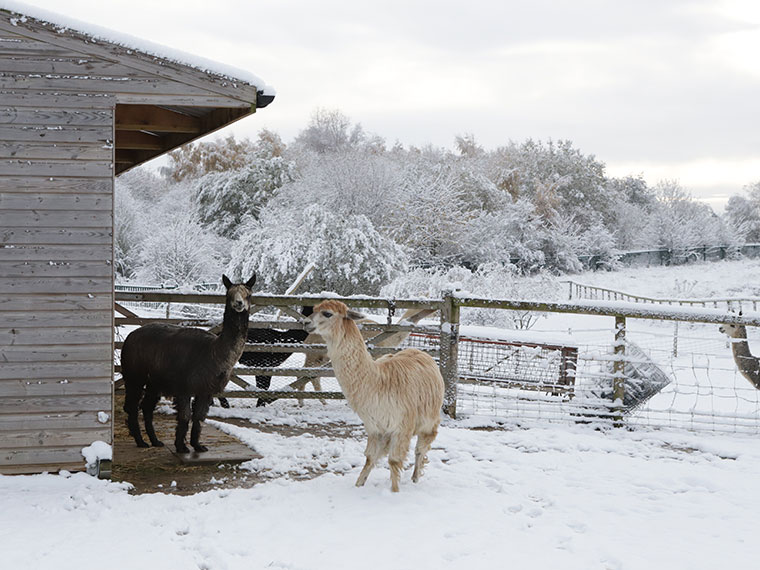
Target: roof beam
x: 135, y: 140
x: 154, y: 119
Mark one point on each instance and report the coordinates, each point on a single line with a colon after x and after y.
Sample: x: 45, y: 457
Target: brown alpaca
x: 748, y: 365
x: 187, y: 363
x: 397, y: 396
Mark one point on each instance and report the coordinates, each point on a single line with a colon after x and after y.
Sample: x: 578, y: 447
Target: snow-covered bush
x: 128, y: 232
x: 191, y: 161
x: 599, y: 242
x: 350, y: 256
x: 224, y: 199
x: 493, y: 281
x: 179, y: 251
x: 743, y: 213
x: 511, y: 235
x: 678, y: 222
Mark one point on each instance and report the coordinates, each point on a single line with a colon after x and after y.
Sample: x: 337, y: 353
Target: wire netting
x: 674, y: 374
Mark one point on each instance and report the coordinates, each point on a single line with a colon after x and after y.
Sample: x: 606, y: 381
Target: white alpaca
x: 410, y: 316
x: 397, y: 396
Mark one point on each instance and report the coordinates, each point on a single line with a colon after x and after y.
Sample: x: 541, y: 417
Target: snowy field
x: 553, y: 495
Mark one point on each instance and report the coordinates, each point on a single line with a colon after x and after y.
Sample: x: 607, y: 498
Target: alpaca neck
x: 748, y: 364
x: 231, y: 341
x: 351, y: 361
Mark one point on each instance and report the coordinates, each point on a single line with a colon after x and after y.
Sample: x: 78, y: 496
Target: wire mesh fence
x: 675, y: 371
x: 699, y: 388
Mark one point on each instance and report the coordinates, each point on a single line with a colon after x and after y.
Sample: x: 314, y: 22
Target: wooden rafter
x: 155, y: 119
x: 135, y: 140
x: 160, y: 130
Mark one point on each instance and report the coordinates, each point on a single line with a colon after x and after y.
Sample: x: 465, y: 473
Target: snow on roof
x: 65, y: 23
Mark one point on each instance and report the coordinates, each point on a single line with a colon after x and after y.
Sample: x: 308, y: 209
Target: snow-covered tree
x: 599, y: 242
x: 562, y: 244
x: 557, y: 169
x: 513, y: 235
x: 128, y: 232
x: 491, y: 280
x: 679, y: 222
x: 350, y: 256
x: 355, y: 182
x: 179, y: 251
x: 329, y: 131
x: 743, y: 213
x: 224, y: 199
x: 191, y: 161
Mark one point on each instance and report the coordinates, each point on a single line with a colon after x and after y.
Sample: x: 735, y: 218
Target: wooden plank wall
x: 56, y: 254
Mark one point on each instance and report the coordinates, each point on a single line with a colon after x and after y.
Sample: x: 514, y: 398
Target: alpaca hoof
x: 200, y: 448
x: 142, y: 444
x: 182, y: 449
x: 157, y: 443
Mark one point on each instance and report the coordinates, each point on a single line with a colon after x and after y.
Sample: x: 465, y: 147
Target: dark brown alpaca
x: 185, y: 363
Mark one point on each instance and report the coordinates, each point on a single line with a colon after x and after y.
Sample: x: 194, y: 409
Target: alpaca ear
x: 226, y: 281
x: 251, y: 281
x: 354, y: 315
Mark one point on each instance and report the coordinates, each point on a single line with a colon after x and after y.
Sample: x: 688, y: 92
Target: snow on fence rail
x: 591, y: 292
x: 598, y: 360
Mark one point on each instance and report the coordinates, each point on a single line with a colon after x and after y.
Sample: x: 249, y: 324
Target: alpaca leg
x: 317, y: 385
x: 398, y: 450
x: 375, y: 445
x: 182, y: 403
x: 263, y: 383
x: 424, y: 441
x: 134, y: 393
x: 301, y: 386
x: 148, y: 405
x: 201, y: 405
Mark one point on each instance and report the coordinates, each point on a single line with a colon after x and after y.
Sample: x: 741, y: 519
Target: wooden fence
x: 446, y: 329
x: 593, y: 293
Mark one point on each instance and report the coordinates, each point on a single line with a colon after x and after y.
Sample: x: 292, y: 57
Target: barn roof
x: 204, y: 96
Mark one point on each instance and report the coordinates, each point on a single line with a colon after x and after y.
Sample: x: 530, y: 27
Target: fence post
x: 618, y: 369
x: 675, y: 339
x: 450, y: 352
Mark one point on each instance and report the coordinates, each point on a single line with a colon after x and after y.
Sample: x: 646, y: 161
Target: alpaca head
x: 239, y: 294
x: 734, y: 331
x: 328, y: 317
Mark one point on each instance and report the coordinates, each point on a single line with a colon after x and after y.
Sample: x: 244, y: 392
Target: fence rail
x: 593, y: 293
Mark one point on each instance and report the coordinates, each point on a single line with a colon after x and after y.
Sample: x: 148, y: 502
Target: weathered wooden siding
x: 63, y: 96
x: 69, y: 65
x: 56, y: 252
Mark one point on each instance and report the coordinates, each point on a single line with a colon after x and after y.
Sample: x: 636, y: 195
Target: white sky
x: 667, y: 89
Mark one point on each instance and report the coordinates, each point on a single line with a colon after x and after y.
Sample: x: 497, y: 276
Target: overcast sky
x: 664, y: 88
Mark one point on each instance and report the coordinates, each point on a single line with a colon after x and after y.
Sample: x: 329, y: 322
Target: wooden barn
x: 77, y: 109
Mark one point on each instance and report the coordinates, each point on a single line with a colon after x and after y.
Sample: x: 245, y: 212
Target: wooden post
x: 450, y: 352
x: 675, y: 339
x: 618, y: 369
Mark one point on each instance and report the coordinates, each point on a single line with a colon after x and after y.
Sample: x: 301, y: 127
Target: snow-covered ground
x: 553, y: 495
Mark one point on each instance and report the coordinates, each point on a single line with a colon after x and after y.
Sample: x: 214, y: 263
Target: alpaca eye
x: 327, y: 314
